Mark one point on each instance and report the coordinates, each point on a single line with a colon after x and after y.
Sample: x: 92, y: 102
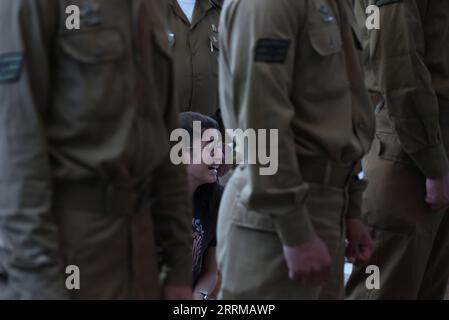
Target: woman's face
x: 204, y: 173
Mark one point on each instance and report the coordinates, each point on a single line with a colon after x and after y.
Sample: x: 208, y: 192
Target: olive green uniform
x: 85, y: 178
x: 196, y: 52
x: 294, y: 66
x: 407, y: 70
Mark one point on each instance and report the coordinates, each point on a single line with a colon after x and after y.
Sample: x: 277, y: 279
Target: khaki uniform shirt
x: 196, y: 56
x: 407, y: 63
x: 85, y: 105
x: 294, y: 66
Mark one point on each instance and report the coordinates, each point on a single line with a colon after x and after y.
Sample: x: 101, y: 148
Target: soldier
x: 83, y: 148
x: 405, y: 205
x: 293, y: 66
x: 194, y: 37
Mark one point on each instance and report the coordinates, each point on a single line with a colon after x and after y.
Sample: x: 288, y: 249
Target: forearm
x: 206, y: 283
x: 172, y: 216
x: 281, y: 192
x: 406, y: 82
x: 27, y: 225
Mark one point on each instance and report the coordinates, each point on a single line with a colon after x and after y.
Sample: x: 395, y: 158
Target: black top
x: 204, y: 228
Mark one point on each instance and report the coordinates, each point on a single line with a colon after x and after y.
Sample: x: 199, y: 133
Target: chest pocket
x: 164, y: 43
x: 325, y: 41
x: 94, y: 46
x: 214, y: 43
x: 214, y: 47
x: 324, y: 33
x: 326, y: 66
x: 95, y: 68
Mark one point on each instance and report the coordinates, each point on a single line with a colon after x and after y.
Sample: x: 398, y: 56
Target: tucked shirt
x: 296, y: 67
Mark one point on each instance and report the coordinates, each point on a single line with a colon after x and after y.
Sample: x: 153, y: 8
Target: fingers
x: 436, y: 202
x: 352, y: 250
x: 436, y: 205
x: 313, y: 276
x: 360, y: 249
x: 309, y: 263
x: 315, y: 273
x: 365, y: 251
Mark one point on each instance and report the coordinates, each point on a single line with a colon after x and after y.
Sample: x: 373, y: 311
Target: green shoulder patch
x: 381, y: 3
x: 10, y: 67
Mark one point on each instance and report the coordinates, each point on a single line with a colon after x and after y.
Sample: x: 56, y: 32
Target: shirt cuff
x: 433, y: 161
x: 294, y: 228
x: 355, y: 198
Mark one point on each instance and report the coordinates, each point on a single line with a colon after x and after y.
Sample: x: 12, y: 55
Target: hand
x: 437, y: 192
x: 198, y: 296
x: 360, y: 246
x: 308, y: 263
x: 171, y: 292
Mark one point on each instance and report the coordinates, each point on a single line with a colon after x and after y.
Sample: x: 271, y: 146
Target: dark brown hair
x: 207, y: 195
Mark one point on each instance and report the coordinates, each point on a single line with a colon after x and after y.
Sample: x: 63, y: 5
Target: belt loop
x: 350, y: 176
x: 327, y: 173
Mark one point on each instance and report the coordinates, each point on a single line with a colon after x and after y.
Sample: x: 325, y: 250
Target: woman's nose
x: 218, y: 156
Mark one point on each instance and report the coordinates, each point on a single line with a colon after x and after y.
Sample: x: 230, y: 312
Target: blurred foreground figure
x: 84, y: 126
x: 405, y: 205
x: 294, y: 66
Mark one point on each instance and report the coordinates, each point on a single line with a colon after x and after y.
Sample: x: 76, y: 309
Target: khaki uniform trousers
x: 108, y: 234
x: 411, y: 240
x: 251, y: 258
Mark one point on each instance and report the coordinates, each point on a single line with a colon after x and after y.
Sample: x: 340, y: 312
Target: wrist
x: 201, y: 294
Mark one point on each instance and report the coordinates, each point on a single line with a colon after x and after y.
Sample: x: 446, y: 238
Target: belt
x: 327, y: 173
x: 109, y: 198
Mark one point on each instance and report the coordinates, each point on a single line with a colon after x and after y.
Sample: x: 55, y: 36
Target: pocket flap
x: 325, y: 41
x: 94, y: 46
x: 251, y: 219
x: 389, y: 148
x: 162, y: 42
